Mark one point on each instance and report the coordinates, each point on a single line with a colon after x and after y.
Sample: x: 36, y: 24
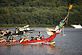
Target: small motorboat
x: 77, y: 26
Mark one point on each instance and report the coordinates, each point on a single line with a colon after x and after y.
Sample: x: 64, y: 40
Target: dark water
x: 68, y: 44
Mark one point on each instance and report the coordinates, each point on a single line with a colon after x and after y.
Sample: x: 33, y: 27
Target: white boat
x: 77, y: 26
x: 24, y: 28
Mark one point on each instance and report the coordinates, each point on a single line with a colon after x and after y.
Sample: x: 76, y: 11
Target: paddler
x: 40, y: 36
x: 24, y: 37
x: 7, y: 34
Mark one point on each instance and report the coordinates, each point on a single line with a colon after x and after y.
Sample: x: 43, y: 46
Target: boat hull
x: 49, y: 39
x: 43, y: 41
x: 9, y: 43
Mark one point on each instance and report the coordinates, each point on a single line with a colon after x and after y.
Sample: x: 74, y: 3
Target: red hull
x: 39, y: 41
x: 9, y: 43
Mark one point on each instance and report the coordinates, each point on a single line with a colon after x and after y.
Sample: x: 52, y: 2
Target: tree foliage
x: 39, y: 12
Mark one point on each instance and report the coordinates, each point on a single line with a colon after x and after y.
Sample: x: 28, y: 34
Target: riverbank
x: 21, y: 25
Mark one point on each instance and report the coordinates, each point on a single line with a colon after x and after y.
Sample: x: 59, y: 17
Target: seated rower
x: 25, y: 39
x: 14, y: 39
x: 32, y: 38
x: 42, y: 37
x: 38, y: 38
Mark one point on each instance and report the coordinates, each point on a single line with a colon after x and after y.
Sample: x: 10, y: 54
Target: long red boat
x: 40, y: 41
x: 25, y: 42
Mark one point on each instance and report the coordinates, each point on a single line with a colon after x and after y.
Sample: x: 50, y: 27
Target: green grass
x: 21, y: 25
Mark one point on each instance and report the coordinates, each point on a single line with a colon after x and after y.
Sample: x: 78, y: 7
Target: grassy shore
x: 21, y: 25
x: 11, y: 25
